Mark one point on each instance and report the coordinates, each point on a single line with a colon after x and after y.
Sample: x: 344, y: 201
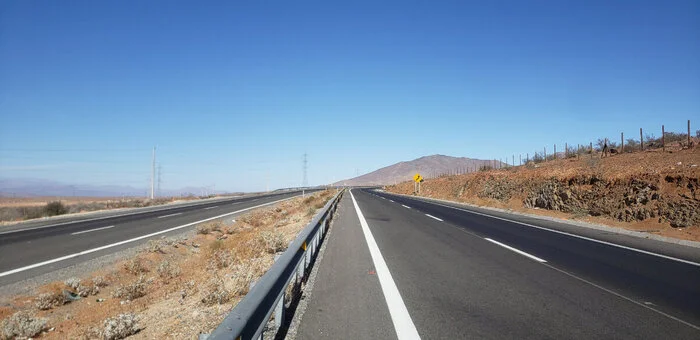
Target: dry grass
x: 196, y: 279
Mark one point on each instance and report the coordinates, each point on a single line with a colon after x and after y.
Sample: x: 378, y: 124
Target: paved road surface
x: 441, y: 272
x: 41, y: 249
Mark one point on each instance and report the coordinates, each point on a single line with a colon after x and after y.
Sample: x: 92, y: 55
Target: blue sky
x: 233, y: 93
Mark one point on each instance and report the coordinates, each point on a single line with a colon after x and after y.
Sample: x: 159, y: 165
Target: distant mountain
x: 24, y: 187
x: 428, y: 166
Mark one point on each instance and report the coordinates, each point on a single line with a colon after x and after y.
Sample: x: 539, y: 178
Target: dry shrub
x: 118, y: 327
x: 135, y: 266
x: 272, y: 241
x: 21, y: 324
x: 47, y: 301
x: 100, y: 281
x: 131, y: 291
x: 167, y: 270
x: 156, y: 246
x: 220, y: 259
x: 216, y: 292
x: 75, y: 284
x: 243, y: 274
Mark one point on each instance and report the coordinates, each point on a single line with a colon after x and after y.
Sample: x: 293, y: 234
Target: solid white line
x: 405, y: 329
x: 574, y: 235
x: 216, y: 206
x: 175, y: 214
x: 13, y: 271
x: 405, y: 206
x: 87, y: 231
x: 392, y: 201
x: 431, y: 216
x: 516, y: 250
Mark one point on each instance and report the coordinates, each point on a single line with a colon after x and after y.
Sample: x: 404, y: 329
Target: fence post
x: 555, y: 151
x: 513, y: 164
x: 689, y: 133
x: 591, y: 150
x: 641, y: 140
x: 566, y: 150
x: 545, y: 154
x: 622, y: 142
x: 520, y: 157
x: 663, y: 138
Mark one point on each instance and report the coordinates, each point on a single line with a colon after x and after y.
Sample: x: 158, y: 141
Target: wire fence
x: 602, y: 147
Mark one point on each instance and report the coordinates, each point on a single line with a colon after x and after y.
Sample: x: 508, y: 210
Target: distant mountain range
x: 428, y: 166
x: 24, y: 187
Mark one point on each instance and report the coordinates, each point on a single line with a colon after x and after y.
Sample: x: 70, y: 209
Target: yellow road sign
x: 417, y: 178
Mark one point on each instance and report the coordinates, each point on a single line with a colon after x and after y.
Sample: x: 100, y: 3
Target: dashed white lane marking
x: 516, y: 250
x: 403, y: 324
x: 87, y: 231
x: 175, y: 214
x: 431, y: 216
x: 405, y: 206
x: 216, y: 206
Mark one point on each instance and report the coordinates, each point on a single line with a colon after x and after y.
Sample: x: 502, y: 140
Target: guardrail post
x: 279, y: 311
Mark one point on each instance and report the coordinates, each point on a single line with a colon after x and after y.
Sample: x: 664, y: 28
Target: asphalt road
x: 39, y: 249
x: 451, y: 272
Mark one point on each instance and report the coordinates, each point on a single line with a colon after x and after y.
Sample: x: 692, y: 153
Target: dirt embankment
x: 651, y: 191
x: 175, y: 288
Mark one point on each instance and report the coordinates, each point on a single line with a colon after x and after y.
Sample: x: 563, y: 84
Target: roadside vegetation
x: 173, y: 288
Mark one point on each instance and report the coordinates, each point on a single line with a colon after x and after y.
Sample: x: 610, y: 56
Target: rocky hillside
x: 651, y: 190
x: 428, y: 166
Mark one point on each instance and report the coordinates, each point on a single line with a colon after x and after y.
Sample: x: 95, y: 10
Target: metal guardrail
x: 251, y: 315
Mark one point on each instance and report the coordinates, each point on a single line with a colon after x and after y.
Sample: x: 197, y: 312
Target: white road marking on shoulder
x: 405, y: 206
x: 87, y: 231
x: 403, y: 324
x: 216, y: 206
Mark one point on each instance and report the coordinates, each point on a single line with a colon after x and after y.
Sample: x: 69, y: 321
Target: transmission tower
x: 305, y: 181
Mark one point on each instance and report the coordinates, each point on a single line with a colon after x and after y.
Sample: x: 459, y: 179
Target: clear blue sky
x: 235, y: 92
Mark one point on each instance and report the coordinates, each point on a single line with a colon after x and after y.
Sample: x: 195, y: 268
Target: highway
x: 41, y: 247
x: 397, y: 267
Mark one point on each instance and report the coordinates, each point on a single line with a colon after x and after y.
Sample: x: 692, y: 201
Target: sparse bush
x: 272, y: 241
x: 32, y: 212
x: 216, y: 292
x: 55, y: 208
x: 310, y: 212
x: 243, y: 274
x: 155, y: 246
x: 82, y: 290
x: 47, y: 301
x: 631, y: 145
x: 72, y: 282
x: 220, y: 259
x: 131, y: 291
x: 120, y: 327
x: 21, y: 324
x: 168, y: 271
x: 204, y: 229
x: 100, y: 281
x: 485, y: 168
x: 135, y: 266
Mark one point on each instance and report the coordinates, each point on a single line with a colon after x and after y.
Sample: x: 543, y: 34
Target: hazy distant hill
x: 427, y: 166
